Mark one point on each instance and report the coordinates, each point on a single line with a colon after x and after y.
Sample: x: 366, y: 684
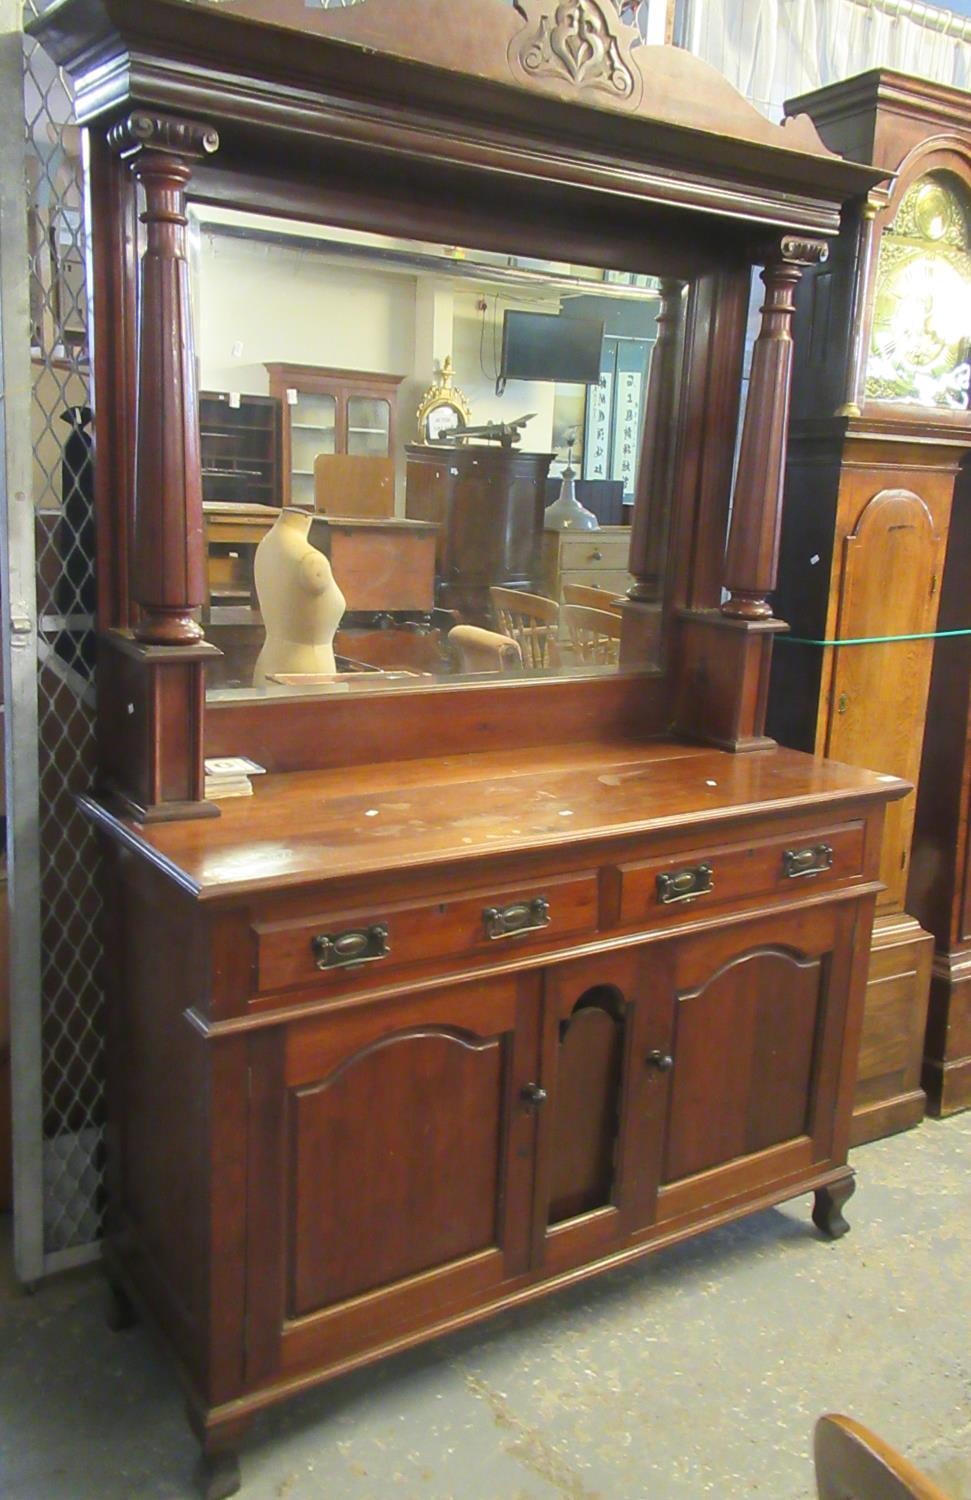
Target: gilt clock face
x: 921, y: 333
x: 441, y: 420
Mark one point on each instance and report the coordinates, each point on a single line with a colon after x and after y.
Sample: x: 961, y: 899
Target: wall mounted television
x: 548, y: 346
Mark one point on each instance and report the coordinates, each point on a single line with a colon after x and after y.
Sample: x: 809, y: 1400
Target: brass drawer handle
x: 815, y: 860
x: 522, y: 916
x: 342, y: 950
x: 685, y: 885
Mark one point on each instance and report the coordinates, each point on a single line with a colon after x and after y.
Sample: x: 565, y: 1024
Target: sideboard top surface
x: 312, y: 826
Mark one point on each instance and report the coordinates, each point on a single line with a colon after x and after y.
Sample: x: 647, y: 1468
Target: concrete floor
x: 698, y: 1372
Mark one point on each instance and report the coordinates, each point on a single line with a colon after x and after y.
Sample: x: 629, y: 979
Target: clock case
x: 867, y: 512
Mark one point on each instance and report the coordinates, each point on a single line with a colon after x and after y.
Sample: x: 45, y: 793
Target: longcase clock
x: 880, y: 426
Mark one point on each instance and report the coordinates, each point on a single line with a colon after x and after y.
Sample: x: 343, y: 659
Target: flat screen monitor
x: 548, y: 346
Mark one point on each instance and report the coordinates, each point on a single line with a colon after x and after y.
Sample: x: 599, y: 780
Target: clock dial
x: 443, y: 419
x: 922, y: 307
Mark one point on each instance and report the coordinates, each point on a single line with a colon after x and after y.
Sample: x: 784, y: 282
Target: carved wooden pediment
x: 582, y: 51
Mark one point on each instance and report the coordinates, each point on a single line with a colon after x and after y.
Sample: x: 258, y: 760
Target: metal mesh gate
x: 71, y: 999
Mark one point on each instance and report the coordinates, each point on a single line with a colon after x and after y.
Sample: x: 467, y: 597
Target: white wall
x: 258, y: 303
x: 271, y: 303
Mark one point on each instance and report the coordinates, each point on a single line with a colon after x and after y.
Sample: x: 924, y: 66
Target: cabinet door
x: 763, y: 1054
x: 369, y: 426
x: 878, y: 696
x: 313, y: 429
x: 391, y: 1155
x: 602, y: 1127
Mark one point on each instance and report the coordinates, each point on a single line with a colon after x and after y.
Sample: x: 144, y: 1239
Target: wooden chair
x: 852, y: 1463
x: 591, y: 597
x: 532, y: 621
x: 594, y: 634
x: 476, y: 650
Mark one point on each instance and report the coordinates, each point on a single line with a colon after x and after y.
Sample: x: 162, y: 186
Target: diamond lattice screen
x: 70, y: 993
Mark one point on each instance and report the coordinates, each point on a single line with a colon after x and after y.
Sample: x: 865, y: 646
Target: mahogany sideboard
x: 447, y: 1033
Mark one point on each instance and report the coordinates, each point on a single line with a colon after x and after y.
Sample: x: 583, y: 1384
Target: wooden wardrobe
x: 496, y: 983
x: 874, y: 453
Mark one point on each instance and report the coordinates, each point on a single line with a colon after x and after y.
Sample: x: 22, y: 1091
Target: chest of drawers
x: 594, y: 559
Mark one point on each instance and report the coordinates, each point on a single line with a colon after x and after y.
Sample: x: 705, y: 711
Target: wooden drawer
x: 736, y: 872
x: 310, y: 950
x: 599, y: 549
x: 614, y: 582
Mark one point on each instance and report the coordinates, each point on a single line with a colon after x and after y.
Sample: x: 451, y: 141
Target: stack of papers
x: 230, y: 776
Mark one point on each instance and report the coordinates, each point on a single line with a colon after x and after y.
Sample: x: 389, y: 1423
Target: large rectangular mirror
x: 420, y: 462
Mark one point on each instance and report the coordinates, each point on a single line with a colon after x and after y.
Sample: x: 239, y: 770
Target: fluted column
x: 168, y: 552
x: 753, y: 544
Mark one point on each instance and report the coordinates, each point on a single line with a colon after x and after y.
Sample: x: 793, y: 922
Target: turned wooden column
x: 168, y: 555
x: 753, y: 543
x: 724, y: 655
x: 151, y: 680
x: 652, y: 506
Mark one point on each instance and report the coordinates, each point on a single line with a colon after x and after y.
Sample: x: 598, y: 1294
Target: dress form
x: 301, y: 604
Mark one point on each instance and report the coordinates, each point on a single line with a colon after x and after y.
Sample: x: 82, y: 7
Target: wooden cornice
x: 478, y: 83
x: 940, y: 104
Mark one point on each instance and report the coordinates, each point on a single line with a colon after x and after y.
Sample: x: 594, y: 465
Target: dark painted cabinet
x: 488, y: 503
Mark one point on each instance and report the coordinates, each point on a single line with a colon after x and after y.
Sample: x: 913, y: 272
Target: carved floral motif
x: 583, y: 42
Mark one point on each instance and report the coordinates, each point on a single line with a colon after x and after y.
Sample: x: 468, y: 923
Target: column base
x: 723, y: 678
x: 151, y: 712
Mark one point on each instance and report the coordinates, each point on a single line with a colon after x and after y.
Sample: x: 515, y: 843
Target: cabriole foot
x: 828, y: 1205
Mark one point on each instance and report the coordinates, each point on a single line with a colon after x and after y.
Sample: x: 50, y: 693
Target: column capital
x: 793, y: 250
x: 144, y: 130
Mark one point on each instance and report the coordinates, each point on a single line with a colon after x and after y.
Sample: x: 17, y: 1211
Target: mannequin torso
x: 301, y: 604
